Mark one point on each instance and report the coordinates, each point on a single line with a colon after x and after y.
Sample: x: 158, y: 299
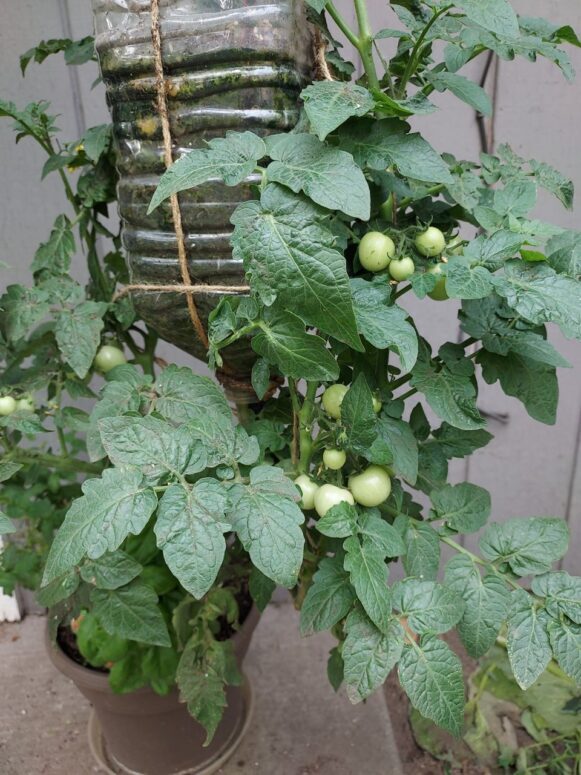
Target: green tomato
x: 25, y: 405
x: 430, y: 242
x: 371, y: 487
x: 308, y: 489
x: 334, y: 458
x: 376, y: 405
x: 376, y: 251
x: 333, y: 398
x: 108, y: 357
x: 7, y: 406
x: 439, y: 293
x: 402, y: 269
x: 328, y: 496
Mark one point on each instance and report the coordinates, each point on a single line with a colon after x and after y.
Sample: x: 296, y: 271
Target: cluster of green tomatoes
x: 106, y: 359
x: 377, y: 253
x: 369, y: 488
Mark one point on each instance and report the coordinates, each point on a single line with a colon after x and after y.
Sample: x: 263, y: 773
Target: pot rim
x: 95, y: 680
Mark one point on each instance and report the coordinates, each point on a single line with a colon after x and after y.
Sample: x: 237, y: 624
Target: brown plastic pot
x: 146, y: 734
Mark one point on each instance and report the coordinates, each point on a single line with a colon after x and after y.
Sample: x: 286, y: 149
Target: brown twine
x: 174, y: 202
x: 322, y: 71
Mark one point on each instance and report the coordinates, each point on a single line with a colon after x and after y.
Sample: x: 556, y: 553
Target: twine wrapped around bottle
x: 237, y: 387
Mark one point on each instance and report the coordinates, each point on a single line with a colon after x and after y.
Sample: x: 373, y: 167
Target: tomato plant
x: 356, y: 377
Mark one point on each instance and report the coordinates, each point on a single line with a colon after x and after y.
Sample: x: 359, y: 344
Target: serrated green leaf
x: 530, y: 546
x: 340, y: 521
x: 335, y: 668
x: 131, y: 612
x: 431, y: 676
x: 261, y: 589
x: 260, y: 377
x: 55, y: 254
x: 22, y: 308
x: 326, y: 175
x: 383, y: 535
x: 540, y: 295
x: 328, y: 104
x: 432, y: 468
x: 267, y: 521
x: 218, y: 436
x: 96, y: 141
x: 533, y: 383
x: 8, y: 468
x: 562, y: 593
x: 110, y: 571
x: 231, y: 158
x: 202, y: 676
x: 400, y: 440
x: 152, y: 445
x: 59, y: 589
x: 486, y: 600
x: 358, y: 416
x: 184, y: 396
x: 289, y: 253
x: 380, y: 144
x: 383, y: 325
x: 451, y: 394
x: 369, y: 654
x: 565, y: 639
x: 527, y: 642
x: 428, y: 607
x: 329, y: 598
x: 494, y: 15
x: 464, y: 507
x: 283, y: 341
x: 368, y: 572
x: 456, y: 443
x: 190, y: 531
x: 111, y: 508
x: 6, y: 525
x: 422, y: 544
x: 78, y: 334
x: 463, y: 88
x: 465, y: 281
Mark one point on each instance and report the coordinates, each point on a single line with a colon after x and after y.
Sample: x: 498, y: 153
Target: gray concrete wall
x: 531, y: 469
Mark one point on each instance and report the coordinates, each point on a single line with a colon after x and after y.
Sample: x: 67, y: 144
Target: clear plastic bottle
x: 229, y: 65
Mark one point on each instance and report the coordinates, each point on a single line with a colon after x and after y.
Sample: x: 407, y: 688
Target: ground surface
x: 299, y: 726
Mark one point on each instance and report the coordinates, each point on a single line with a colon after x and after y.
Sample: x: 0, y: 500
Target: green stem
x: 407, y: 395
x: 365, y: 46
x: 402, y: 291
x: 416, y: 51
x: 56, y: 461
x: 342, y: 24
x: 479, y: 561
x: 238, y: 334
x: 305, y: 428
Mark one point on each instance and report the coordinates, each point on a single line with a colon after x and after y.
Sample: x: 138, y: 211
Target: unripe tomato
x: 439, y: 293
x: 334, y: 458
x: 108, y: 357
x: 328, y: 496
x: 430, y: 242
x: 371, y: 487
x: 402, y: 269
x: 376, y: 405
x: 7, y: 406
x: 308, y: 489
x: 333, y: 398
x: 25, y: 405
x: 375, y: 251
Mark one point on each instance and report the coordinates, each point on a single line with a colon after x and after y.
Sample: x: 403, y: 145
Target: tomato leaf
x: 428, y: 607
x: 368, y: 572
x: 530, y: 546
x: 131, y: 612
x: 527, y: 642
x: 328, y: 104
x: 464, y: 507
x: 329, y: 599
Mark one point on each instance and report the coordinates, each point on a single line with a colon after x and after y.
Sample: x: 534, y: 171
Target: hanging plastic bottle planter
x: 227, y: 65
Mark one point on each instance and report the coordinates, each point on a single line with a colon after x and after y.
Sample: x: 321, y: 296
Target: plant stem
x: 342, y: 24
x: 414, y: 56
x: 305, y: 427
x: 403, y: 290
x: 365, y: 42
x: 475, y: 558
x: 294, y: 395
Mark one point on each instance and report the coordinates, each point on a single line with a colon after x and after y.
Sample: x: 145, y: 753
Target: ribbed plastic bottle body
x: 229, y: 65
